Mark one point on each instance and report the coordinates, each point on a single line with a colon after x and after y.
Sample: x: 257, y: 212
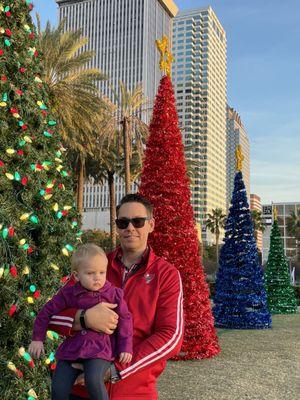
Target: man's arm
x: 100, y: 318
x: 166, y: 339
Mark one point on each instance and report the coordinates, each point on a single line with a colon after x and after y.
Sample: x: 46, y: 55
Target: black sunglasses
x: 138, y: 222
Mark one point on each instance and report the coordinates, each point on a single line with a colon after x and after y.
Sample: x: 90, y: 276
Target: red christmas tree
x: 164, y: 182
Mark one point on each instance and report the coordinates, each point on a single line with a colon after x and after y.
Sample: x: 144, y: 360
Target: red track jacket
x: 154, y: 297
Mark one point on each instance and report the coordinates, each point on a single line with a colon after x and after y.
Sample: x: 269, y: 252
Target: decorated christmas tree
x: 280, y: 293
x: 164, y: 182
x: 240, y: 301
x: 38, y: 226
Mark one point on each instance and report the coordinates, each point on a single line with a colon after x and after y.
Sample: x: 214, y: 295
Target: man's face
x: 131, y: 238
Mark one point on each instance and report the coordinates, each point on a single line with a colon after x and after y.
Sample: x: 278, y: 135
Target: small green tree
x: 215, y: 222
x: 280, y: 293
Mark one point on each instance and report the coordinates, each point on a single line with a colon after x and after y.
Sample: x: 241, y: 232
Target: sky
x: 263, y: 85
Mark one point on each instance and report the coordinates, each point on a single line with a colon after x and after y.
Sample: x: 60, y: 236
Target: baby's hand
x: 125, y: 358
x: 36, y: 348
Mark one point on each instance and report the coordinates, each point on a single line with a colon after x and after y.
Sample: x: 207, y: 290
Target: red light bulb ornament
x: 13, y: 271
x: 12, y: 310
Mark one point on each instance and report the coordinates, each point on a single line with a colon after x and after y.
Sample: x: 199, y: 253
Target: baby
x: 92, y: 349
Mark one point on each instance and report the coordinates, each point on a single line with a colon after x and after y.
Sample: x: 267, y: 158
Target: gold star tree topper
x: 275, y: 213
x: 166, y: 57
x: 239, y: 158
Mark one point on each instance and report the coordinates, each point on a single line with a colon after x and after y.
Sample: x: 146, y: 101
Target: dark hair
x: 136, y: 198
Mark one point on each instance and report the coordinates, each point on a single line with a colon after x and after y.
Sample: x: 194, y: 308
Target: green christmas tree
x: 38, y: 219
x: 280, y: 293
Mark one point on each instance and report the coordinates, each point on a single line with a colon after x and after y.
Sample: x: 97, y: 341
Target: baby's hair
x: 83, y: 252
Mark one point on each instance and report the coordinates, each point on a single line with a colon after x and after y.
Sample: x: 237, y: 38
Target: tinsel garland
x: 164, y: 182
x: 240, y: 301
x: 280, y: 293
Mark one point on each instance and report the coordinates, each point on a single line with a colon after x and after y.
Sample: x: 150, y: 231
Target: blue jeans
x: 65, y: 376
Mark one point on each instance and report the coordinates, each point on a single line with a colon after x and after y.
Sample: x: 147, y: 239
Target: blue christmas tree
x: 240, y: 301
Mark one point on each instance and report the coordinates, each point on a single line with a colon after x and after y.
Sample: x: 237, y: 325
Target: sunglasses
x: 138, y: 222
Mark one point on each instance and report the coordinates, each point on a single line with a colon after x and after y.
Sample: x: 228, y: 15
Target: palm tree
x: 74, y: 94
x: 215, y: 222
x: 258, y: 224
x: 133, y: 129
x: 293, y: 224
x: 102, y: 167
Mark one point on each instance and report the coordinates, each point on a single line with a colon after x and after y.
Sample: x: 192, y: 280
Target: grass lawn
x: 253, y: 364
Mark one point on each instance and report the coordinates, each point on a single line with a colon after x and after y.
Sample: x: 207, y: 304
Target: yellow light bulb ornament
x: 21, y: 351
x: 11, y: 366
x: 65, y: 252
x: 32, y: 393
x: 54, y: 266
x: 25, y: 271
x: 9, y: 176
x: 27, y: 139
x: 24, y: 217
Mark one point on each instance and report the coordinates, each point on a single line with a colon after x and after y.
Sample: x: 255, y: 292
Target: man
x: 153, y: 292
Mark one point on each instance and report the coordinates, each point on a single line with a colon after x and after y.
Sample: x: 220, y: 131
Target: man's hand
x: 102, y: 318
x: 36, y: 348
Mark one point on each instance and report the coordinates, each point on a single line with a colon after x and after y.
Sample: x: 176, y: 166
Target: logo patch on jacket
x: 148, y: 277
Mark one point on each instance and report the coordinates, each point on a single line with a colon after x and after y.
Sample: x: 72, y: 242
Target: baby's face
x: 92, y: 272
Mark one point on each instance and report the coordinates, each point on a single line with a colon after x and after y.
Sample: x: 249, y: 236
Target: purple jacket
x: 87, y: 343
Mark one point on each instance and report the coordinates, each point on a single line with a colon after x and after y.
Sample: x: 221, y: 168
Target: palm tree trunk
x: 112, y: 205
x: 126, y: 155
x: 80, y: 185
x: 217, y: 247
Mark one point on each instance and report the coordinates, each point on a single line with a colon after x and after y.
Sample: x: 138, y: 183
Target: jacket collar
x: 147, y: 258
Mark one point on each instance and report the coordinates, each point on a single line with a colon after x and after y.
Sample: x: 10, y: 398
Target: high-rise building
x: 199, y: 76
x: 290, y: 243
x: 255, y: 204
x: 122, y: 33
x: 236, y: 135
